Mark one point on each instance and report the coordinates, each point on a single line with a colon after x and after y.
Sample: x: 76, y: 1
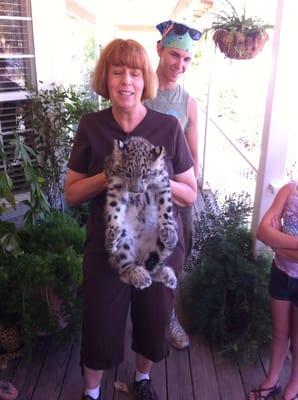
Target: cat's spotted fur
x: 140, y: 226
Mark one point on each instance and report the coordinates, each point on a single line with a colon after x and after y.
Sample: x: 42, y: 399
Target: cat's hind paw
x: 167, y: 276
x: 140, y: 278
x: 169, y: 237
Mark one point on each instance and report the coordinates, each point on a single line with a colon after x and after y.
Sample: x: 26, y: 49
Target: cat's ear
x: 158, y: 151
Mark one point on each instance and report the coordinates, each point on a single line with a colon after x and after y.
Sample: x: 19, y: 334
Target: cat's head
x: 138, y: 162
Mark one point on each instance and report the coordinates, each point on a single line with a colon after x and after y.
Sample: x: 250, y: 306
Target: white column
x: 281, y: 100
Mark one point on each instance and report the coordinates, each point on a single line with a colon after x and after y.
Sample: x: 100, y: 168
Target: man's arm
x: 192, y: 134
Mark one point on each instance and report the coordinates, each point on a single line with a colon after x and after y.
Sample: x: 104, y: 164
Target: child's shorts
x: 283, y: 286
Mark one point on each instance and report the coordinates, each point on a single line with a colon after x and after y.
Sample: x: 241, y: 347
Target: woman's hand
x: 81, y: 187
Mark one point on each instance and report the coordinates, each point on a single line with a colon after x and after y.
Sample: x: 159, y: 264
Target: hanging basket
x: 239, y: 45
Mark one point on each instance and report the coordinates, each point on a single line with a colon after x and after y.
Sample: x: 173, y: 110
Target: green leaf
x: 9, y: 244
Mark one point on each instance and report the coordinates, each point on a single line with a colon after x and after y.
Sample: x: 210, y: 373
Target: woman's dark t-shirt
x: 94, y: 141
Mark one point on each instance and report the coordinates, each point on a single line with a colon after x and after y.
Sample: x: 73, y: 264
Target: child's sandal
x: 271, y: 391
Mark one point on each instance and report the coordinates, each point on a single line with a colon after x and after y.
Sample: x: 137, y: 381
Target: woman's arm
x: 268, y: 232
x: 79, y: 187
x: 184, y: 188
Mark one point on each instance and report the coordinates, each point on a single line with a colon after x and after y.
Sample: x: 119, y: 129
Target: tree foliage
x: 225, y: 295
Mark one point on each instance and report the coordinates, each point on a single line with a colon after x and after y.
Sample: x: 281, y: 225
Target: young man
x: 175, y: 51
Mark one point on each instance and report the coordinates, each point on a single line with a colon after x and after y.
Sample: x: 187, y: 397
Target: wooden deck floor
x: 53, y: 373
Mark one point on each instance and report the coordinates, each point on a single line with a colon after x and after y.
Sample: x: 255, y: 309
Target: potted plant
x: 40, y: 261
x: 224, y: 297
x: 38, y: 288
x: 237, y: 35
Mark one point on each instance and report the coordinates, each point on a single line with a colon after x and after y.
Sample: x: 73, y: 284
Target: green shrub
x: 51, y: 261
x: 225, y: 296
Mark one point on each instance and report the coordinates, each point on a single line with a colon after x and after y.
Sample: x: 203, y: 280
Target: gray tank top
x: 173, y: 102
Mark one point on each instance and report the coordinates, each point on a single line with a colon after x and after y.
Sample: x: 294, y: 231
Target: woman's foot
x: 264, y: 392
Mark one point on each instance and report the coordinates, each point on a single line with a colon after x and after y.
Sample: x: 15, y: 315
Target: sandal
x: 7, y: 391
x: 273, y: 390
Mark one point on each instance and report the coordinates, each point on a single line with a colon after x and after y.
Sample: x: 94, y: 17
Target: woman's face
x: 125, y: 86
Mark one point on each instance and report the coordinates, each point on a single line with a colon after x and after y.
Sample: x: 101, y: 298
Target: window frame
x: 20, y: 96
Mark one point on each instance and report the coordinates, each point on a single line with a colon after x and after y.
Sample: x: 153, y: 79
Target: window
x: 17, y: 72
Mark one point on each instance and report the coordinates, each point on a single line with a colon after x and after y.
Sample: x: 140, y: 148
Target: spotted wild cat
x: 140, y: 227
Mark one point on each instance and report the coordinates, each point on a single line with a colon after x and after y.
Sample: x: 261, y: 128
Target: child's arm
x: 288, y: 254
x: 268, y: 231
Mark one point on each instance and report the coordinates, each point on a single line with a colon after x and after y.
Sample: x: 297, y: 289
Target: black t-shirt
x: 94, y: 141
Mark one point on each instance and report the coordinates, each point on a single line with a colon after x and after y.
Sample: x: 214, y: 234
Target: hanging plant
x: 238, y: 36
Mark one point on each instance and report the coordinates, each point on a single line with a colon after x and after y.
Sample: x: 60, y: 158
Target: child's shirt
x: 290, y: 226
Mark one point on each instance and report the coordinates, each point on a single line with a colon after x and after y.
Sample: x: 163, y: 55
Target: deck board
x: 203, y: 371
x: 72, y: 383
x: 179, y: 375
x: 28, y: 370
x: 229, y: 379
x: 159, y: 376
x: 253, y: 375
x: 53, y: 370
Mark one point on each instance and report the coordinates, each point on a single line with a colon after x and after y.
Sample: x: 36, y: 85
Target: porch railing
x: 226, y: 169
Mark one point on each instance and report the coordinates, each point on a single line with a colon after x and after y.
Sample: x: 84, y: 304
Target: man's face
x: 173, y: 62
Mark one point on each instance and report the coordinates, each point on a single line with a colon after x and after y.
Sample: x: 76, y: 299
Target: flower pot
x: 10, y: 345
x: 240, y: 45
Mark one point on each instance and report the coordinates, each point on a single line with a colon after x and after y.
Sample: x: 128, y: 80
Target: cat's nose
x: 135, y: 186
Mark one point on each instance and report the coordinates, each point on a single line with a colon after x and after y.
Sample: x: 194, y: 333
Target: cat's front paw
x: 112, y: 237
x: 168, y: 236
x: 169, y: 278
x: 140, y: 278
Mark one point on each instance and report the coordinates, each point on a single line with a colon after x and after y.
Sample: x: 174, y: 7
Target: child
x: 279, y: 230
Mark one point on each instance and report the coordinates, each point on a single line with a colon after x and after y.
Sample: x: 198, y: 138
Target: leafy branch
x: 232, y: 20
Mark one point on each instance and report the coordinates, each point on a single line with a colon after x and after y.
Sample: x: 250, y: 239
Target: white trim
x: 14, y: 96
x: 9, y: 56
x: 15, y: 18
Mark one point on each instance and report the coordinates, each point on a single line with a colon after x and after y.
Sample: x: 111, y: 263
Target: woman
x: 283, y: 290
x: 123, y: 75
